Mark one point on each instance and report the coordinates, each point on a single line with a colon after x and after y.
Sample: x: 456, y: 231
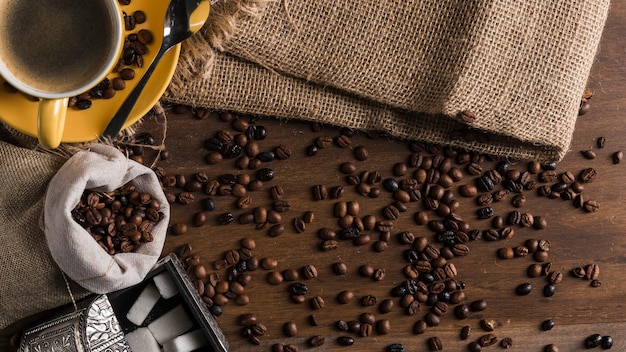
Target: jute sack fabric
x: 31, y: 280
x: 407, y: 68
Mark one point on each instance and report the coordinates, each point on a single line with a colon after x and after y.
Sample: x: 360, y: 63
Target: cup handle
x: 51, y: 121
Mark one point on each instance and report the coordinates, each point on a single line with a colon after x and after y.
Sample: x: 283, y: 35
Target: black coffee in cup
x: 56, y: 45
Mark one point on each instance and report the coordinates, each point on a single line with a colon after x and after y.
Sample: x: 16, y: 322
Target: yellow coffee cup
x: 56, y: 49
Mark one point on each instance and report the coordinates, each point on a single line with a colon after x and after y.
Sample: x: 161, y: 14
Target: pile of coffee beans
x: 121, y: 220
x: 429, y: 187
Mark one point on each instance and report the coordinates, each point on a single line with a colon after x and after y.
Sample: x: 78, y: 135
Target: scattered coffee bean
x: 396, y: 347
x: 547, y: 325
x: 593, y: 341
x: 290, y: 329
x: 506, y: 343
x: 549, y: 290
x: 617, y: 157
x: 487, y: 340
x: 607, y: 342
x: 551, y: 348
x: 465, y: 332
x: 523, y: 289
x: 435, y: 344
x: 345, y: 341
x: 316, y: 341
x: 474, y: 347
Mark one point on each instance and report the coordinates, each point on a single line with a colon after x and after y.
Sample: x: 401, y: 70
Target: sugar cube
x: 166, y: 285
x: 187, y: 342
x: 171, y: 324
x: 143, y: 305
x: 141, y: 340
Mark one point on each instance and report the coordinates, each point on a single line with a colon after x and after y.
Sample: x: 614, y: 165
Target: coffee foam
x: 42, y: 48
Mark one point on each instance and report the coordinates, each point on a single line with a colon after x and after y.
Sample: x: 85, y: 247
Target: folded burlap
x: 33, y: 261
x: 31, y: 280
x: 407, y: 68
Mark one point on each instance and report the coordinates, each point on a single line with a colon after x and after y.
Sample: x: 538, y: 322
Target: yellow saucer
x: 20, y: 112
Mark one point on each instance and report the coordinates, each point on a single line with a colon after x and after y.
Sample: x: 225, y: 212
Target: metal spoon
x: 182, y: 19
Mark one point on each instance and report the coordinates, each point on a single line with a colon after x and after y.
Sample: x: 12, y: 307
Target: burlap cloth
x: 403, y: 67
x: 47, y: 259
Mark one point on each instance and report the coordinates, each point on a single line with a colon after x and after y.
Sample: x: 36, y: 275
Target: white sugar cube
x: 187, y: 342
x: 171, y: 324
x: 166, y: 285
x: 141, y: 340
x: 143, y: 305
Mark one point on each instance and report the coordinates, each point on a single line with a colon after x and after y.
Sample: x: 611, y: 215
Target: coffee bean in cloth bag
x: 103, y: 170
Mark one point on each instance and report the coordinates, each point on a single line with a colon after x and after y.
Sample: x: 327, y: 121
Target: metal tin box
x: 99, y: 323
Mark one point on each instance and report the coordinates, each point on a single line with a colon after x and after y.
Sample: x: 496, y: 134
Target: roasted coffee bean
x: 617, y: 157
x: 274, y: 278
x: 281, y: 206
x: 385, y: 306
x: 593, y: 341
x: 345, y: 341
x: 549, y: 290
x: 474, y: 347
x: 506, y: 343
x: 588, y: 154
x: 368, y: 300
x: 290, y: 329
x: 462, y: 311
x: 299, y: 225
x: 555, y: 277
x: 396, y: 347
x: 591, y: 206
x: 350, y: 233
x: 487, y: 340
x: 265, y: 174
x: 485, y: 213
x: 316, y: 341
x: 298, y: 288
x: 317, y: 302
x: 592, y: 272
x: 579, y: 272
x: 320, y: 192
x: 484, y: 184
x: 588, y: 175
x: 340, y: 268
x: 345, y: 297
x: 607, y: 342
x: 383, y: 326
x: 178, y: 229
x: 419, y: 327
x: 226, y: 218
x: 488, y: 324
x: 341, y: 325
x: 523, y: 289
x: 309, y: 271
x: 324, y: 142
x: 354, y: 326
x: 361, y: 153
x: 390, y: 212
x: 435, y: 344
x: 547, y: 325
x: 478, y: 305
x: 465, y: 332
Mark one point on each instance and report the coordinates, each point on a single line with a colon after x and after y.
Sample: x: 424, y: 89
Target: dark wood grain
x: 578, y: 238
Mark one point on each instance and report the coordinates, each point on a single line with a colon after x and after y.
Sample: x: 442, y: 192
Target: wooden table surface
x: 577, y: 237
